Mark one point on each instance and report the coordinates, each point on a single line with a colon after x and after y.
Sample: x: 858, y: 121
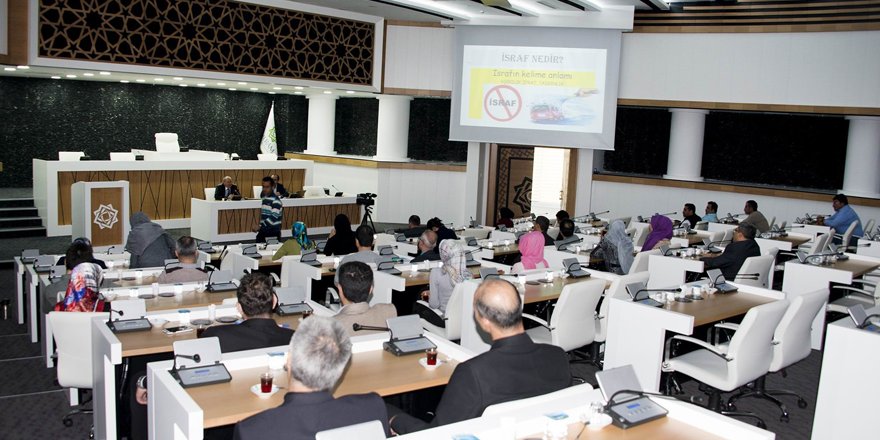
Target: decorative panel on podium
x: 100, y: 212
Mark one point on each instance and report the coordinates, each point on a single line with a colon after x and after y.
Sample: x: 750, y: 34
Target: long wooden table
x: 718, y: 307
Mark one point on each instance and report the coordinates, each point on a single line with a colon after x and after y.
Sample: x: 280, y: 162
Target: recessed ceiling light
x: 232, y: 89
x: 271, y: 93
x: 124, y: 81
x: 158, y: 79
x: 24, y: 67
x: 276, y: 88
x: 201, y: 84
x: 298, y: 88
x: 297, y: 93
x: 182, y: 85
x: 70, y: 76
x: 254, y: 89
x: 177, y: 78
x: 103, y: 73
x: 221, y: 84
x: 56, y: 77
x: 350, y: 92
x: 242, y: 83
x: 140, y: 80
x: 327, y: 92
x: 9, y: 69
x: 88, y: 74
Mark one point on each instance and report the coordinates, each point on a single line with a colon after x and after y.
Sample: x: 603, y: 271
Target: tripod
x: 368, y: 217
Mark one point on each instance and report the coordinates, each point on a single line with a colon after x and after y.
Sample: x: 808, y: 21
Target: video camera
x: 366, y: 199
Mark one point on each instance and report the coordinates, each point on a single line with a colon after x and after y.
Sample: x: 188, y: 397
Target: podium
x: 100, y: 211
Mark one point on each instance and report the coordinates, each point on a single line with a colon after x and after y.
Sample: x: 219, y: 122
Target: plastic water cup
x: 183, y: 316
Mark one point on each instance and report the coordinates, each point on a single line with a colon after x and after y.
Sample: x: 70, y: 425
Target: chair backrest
x: 267, y: 157
x: 847, y: 235
x: 573, y: 321
x: 728, y: 235
x: 716, y: 237
x: 209, y: 193
x: 783, y: 224
x: 125, y: 157
x: 513, y: 405
x: 792, y: 336
x: 640, y: 261
x: 752, y: 345
x: 701, y: 226
x: 820, y: 243
x: 773, y: 221
x: 67, y: 156
x: 869, y: 227
x: 616, y: 290
x: 453, y: 313
x: 257, y: 191
x: 371, y: 430
x: 641, y: 234
x: 167, y: 143
x: 73, y: 338
x: 757, y: 265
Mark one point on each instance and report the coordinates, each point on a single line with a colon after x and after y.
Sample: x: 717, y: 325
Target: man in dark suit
x: 735, y: 254
x: 319, y: 352
x: 255, y: 303
x: 689, y: 211
x: 227, y: 190
x: 427, y: 246
x: 443, y: 233
x: 280, y: 190
x: 514, y: 368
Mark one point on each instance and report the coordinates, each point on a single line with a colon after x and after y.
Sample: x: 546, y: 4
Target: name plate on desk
x: 205, y: 375
x: 129, y: 325
x: 402, y: 347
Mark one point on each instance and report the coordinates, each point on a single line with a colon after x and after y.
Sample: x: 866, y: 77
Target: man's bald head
x: 498, y: 302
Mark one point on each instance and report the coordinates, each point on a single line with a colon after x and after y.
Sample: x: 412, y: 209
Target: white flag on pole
x: 268, y: 145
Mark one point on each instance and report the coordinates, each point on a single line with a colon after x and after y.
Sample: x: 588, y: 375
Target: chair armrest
x: 425, y: 303
x: 711, y: 348
x: 722, y: 326
x: 537, y: 320
x: 276, y: 278
x: 865, y: 282
x: 857, y: 291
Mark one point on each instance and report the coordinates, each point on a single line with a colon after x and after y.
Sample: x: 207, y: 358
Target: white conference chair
x: 791, y: 344
x: 868, y: 296
x: 209, y: 193
x: 617, y: 289
x: 452, y: 331
x: 745, y: 359
x: 728, y: 235
x: 817, y: 245
x: 70, y: 156
x: 701, y: 226
x: 258, y: 190
x: 760, y: 267
x: 847, y: 235
x: 518, y: 268
x: 122, y: 157
x: 869, y: 227
x: 640, y: 261
x: 371, y: 430
x: 167, y: 143
x: 501, y: 409
x: 267, y: 157
x: 572, y: 322
x: 72, y: 332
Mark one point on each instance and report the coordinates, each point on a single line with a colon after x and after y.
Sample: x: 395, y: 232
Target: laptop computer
x: 387, y: 267
x: 406, y: 336
x: 470, y: 261
x: 718, y: 281
x: 291, y: 301
x: 633, y: 289
x: 220, y: 281
x: 573, y: 267
x: 311, y: 258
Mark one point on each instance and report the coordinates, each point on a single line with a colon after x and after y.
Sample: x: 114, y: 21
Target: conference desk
x: 175, y: 412
x: 225, y: 221
x: 637, y: 333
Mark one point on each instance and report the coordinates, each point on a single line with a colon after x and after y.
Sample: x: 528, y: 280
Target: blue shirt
x: 270, y: 214
x: 711, y: 218
x: 841, y: 220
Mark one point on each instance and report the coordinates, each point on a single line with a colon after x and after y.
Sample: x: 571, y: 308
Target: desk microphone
x: 357, y: 327
x: 636, y: 295
x: 118, y: 312
x: 748, y: 276
x: 194, y: 357
x: 713, y: 243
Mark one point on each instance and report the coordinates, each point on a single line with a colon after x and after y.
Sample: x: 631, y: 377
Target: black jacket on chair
x: 250, y: 334
x: 514, y: 368
x: 732, y: 259
x: 302, y: 415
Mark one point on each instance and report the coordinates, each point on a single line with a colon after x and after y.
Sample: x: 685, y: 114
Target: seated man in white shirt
x: 355, y: 285
x: 188, y: 271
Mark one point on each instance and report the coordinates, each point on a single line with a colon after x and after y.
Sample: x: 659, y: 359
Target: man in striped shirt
x: 270, y: 213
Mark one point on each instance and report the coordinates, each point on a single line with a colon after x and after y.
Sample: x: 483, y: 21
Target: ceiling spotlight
x: 23, y: 67
x: 124, y: 81
x: 297, y: 93
x: 350, y: 92
x: 298, y: 88
x: 242, y: 83
x: 88, y: 74
x: 56, y: 77
x: 232, y: 89
x: 221, y: 84
x: 140, y: 80
x: 276, y: 88
x: 158, y: 79
x: 327, y: 92
x: 254, y: 89
x: 271, y: 93
x: 182, y: 85
x: 177, y: 78
x: 70, y: 76
x: 201, y: 84
x: 103, y: 73
x: 9, y: 69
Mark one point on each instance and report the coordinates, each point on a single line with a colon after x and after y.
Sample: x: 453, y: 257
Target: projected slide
x: 534, y: 88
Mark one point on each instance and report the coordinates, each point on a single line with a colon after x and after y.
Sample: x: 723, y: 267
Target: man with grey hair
x: 188, y: 271
x: 514, y: 368
x: 319, y: 352
x: 227, y: 190
x: 427, y: 245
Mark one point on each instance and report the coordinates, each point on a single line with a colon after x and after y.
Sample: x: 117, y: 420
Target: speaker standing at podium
x: 270, y: 213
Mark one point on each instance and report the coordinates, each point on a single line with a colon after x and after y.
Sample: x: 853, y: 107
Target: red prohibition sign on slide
x: 502, y: 103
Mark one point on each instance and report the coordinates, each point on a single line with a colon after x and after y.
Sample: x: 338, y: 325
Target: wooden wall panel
x: 236, y: 221
x: 107, y: 236
x: 166, y: 194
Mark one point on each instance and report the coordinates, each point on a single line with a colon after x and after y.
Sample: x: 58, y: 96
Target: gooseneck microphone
x: 118, y: 312
x: 357, y: 327
x: 636, y: 295
x: 192, y: 357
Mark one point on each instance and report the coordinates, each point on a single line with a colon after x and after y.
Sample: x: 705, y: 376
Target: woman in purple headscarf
x: 661, y: 232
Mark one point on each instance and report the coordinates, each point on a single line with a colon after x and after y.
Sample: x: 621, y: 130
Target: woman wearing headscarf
x: 443, y: 281
x: 661, y: 232
x: 616, y: 248
x: 148, y: 244
x: 531, y: 247
x: 300, y: 242
x: 85, y: 277
x: 341, y: 240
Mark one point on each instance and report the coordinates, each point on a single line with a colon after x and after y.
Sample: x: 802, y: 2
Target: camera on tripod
x: 366, y: 199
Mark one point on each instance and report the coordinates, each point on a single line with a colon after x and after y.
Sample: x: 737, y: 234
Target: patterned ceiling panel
x: 214, y: 35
